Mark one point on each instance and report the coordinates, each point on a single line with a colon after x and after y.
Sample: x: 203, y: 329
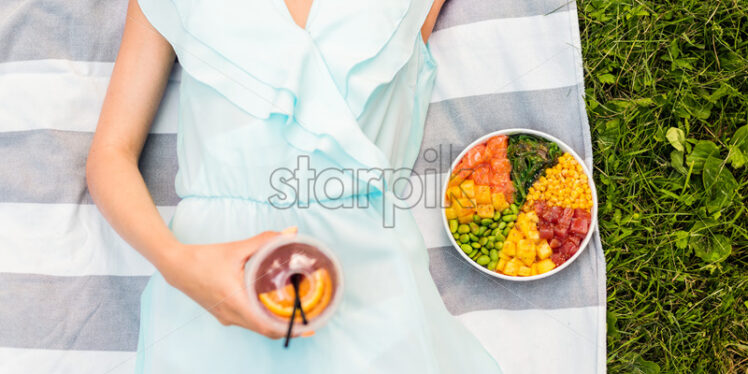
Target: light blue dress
x: 262, y: 97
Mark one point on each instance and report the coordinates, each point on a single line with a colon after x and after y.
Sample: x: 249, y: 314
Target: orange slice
x: 323, y: 302
x: 280, y: 301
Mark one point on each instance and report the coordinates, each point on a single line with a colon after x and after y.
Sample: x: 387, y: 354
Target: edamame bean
x: 482, y: 230
x: 509, y: 218
x: 493, y: 225
x: 510, y: 224
x: 464, y: 238
x: 506, y: 211
x: 466, y: 248
x: 492, y: 265
x: 498, y: 245
x: 500, y: 237
x: 484, y: 250
x: 476, y: 218
x: 496, y: 231
x: 492, y: 238
x: 486, y: 222
x: 476, y: 245
x: 473, y: 238
x: 483, y: 260
x: 453, y: 225
x: 494, y: 255
x: 474, y: 228
x: 483, y: 241
x: 456, y: 236
x: 463, y: 229
x: 506, y: 231
x: 497, y: 216
x: 514, y: 208
x: 475, y: 254
x: 502, y: 225
x: 489, y: 245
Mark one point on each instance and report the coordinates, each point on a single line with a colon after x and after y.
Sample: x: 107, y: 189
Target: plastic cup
x: 270, y: 269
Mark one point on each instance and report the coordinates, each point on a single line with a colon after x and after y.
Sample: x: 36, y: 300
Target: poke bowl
x: 519, y: 205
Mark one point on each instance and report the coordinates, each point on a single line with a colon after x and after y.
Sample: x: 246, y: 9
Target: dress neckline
x: 289, y: 16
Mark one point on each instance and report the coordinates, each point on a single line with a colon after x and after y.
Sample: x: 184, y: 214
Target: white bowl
x: 564, y: 147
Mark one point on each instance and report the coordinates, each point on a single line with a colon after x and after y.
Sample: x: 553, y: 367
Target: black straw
x: 295, y: 280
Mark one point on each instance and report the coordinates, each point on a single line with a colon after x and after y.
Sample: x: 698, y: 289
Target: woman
x: 337, y: 84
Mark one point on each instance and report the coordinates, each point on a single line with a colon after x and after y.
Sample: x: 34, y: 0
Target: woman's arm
x: 428, y: 25
x: 212, y: 275
x: 137, y: 84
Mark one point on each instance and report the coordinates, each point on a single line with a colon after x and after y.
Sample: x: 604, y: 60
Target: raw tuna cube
x: 539, y: 208
x: 559, y: 258
x: 581, y: 213
x: 580, y: 226
x: 561, y: 229
x: 555, y: 243
x: 568, y: 249
x: 574, y: 239
x: 554, y: 214
x: 566, y: 216
x: 545, y: 231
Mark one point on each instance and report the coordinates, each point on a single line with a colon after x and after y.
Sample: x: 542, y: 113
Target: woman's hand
x: 213, y: 276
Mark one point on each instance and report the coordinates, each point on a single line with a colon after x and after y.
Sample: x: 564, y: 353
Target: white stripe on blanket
x: 529, y: 54
x: 65, y: 240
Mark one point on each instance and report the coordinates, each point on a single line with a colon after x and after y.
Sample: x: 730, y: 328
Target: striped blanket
x: 70, y: 287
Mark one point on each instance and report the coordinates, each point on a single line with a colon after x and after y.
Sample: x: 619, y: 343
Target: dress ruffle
x: 256, y: 63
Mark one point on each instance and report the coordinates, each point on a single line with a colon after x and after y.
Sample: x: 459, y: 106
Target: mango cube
x: 465, y: 218
x: 501, y: 265
x: 499, y: 201
x: 523, y: 224
x: 534, y: 269
x: 524, y: 271
x: 544, y: 250
x: 526, y: 251
x: 509, y: 249
x: 504, y: 256
x: 483, y: 195
x: 514, y: 236
x: 533, y: 234
x: 545, y: 266
x: 468, y: 188
x: 512, y: 267
x: 533, y: 217
x: 450, y: 213
x: 463, y: 207
x: 485, y: 210
x: 454, y: 193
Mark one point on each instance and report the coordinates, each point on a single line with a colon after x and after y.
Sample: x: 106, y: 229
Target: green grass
x: 665, y: 78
